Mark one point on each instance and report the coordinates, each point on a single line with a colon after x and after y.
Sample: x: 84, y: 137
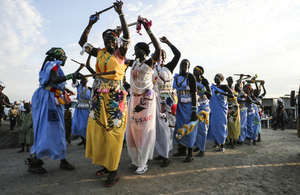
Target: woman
x: 82, y: 111
x: 218, y: 131
x: 185, y: 84
x: 233, y: 117
x: 257, y: 120
x: 106, y: 124
x: 204, y: 94
x: 163, y: 81
x: 48, y: 112
x: 140, y: 133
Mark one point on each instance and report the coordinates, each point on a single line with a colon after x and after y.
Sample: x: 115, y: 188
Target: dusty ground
x: 270, y: 167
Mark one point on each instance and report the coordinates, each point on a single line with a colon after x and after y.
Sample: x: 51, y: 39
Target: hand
x: 94, y: 18
x: 262, y: 82
x: 194, y: 116
x: 164, y: 39
x: 217, y: 92
x: 118, y: 7
x: 77, y: 75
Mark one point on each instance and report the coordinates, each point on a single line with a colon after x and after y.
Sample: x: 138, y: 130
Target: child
x: 68, y: 122
x: 26, y: 131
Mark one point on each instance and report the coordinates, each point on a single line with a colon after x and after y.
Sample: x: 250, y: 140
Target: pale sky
x: 236, y: 36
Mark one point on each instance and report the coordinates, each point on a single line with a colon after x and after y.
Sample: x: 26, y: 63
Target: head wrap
x: 2, y: 84
x: 200, y: 68
x: 110, y: 31
x: 57, y: 53
x: 143, y: 46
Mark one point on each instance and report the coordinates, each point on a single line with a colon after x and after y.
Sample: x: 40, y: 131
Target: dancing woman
x: 140, y: 131
x: 107, y: 121
x: 218, y: 131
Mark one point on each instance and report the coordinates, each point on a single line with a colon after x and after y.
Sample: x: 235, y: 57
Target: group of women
x: 157, y: 100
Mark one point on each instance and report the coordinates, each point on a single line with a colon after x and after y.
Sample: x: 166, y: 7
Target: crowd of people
x: 156, y: 109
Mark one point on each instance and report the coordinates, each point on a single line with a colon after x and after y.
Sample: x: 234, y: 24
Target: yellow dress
x: 234, y: 120
x: 108, y: 116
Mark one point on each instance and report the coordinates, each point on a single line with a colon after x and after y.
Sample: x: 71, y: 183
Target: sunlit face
x: 110, y: 41
x: 184, y: 66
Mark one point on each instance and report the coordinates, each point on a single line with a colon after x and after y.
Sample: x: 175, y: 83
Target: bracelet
x: 69, y: 76
x: 203, y: 90
x: 121, y: 15
x: 194, y: 108
x: 149, y: 32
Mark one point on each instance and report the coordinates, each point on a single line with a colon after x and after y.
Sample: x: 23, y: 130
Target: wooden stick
x: 80, y: 67
x: 99, y: 74
x: 131, y: 24
x: 98, y: 13
x: 76, y: 61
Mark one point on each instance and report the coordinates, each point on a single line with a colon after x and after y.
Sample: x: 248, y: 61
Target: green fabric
x: 26, y: 131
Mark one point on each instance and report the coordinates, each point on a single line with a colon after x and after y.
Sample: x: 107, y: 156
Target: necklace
x: 178, y: 85
x: 80, y: 93
x: 105, y: 61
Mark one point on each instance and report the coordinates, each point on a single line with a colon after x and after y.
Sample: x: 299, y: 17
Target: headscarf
x: 221, y: 76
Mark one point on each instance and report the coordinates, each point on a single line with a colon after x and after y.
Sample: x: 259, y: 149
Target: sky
x: 223, y: 36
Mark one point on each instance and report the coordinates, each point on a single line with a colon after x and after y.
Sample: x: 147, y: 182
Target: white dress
x: 140, y: 130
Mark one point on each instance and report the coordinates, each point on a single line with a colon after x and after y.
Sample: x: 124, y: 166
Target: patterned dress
x: 107, y: 121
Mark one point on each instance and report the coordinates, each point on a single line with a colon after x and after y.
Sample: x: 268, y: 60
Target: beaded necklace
x: 186, y: 75
x: 80, y: 94
x: 105, y: 61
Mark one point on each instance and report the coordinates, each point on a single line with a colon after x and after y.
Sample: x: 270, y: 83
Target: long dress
x: 107, y: 121
x: 218, y: 130
x: 256, y: 122
x: 47, y: 117
x: 184, y: 111
x: 250, y: 120
x: 234, y: 119
x: 203, y: 107
x: 243, y: 116
x: 140, y: 131
x: 163, y: 80
x: 82, y: 111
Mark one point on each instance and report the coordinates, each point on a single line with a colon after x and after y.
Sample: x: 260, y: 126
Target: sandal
x: 102, y: 172
x: 158, y: 158
x: 110, y: 183
x: 188, y: 159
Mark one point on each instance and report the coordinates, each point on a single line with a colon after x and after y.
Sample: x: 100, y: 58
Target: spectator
x: 26, y: 132
x: 4, y: 101
x: 12, y: 113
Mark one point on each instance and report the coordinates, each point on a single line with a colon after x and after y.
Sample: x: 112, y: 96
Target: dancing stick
x: 80, y: 67
x: 98, y: 13
x: 131, y: 24
x: 100, y: 74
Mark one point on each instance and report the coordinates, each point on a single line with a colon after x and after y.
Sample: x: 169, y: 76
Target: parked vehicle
x: 295, y: 101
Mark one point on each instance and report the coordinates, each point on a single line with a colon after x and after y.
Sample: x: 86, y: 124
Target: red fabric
x: 54, y: 68
x: 173, y: 108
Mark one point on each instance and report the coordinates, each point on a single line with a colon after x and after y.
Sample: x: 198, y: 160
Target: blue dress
x: 218, y: 130
x: 184, y: 111
x: 243, y: 115
x: 203, y: 105
x: 48, y: 118
x: 250, y: 120
x: 82, y: 111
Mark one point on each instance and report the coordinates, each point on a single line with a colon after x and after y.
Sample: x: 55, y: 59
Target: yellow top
x: 113, y: 62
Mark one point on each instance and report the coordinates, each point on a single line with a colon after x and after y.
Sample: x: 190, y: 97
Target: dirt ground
x: 270, y: 167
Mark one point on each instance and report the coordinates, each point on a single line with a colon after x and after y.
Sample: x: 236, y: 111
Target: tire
x: 292, y: 100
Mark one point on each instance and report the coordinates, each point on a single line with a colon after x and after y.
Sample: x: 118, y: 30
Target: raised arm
x: 125, y: 38
x: 171, y: 65
x: 156, y: 45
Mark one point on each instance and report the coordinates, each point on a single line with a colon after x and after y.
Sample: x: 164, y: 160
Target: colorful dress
x: 218, y: 130
x: 234, y: 119
x: 106, y: 124
x: 48, y: 115
x: 250, y: 120
x: 140, y: 131
x: 82, y: 111
x: 204, y: 110
x: 163, y: 80
x: 26, y: 132
x: 184, y: 111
